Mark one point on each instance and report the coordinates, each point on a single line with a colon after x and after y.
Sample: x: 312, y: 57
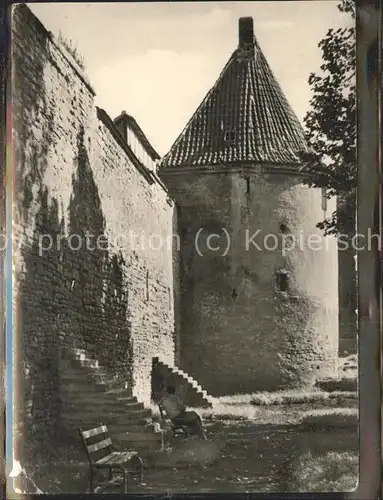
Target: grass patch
x: 293, y: 398
x: 330, y: 472
x: 244, y: 414
x: 330, y: 417
x: 273, y: 398
x: 281, y: 415
x: 274, y: 408
x: 222, y: 411
x: 286, y: 398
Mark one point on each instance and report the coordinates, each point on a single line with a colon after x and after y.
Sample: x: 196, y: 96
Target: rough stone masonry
x: 75, y: 180
x: 228, y: 319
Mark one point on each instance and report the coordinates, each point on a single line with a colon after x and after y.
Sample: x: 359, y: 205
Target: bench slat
x: 100, y: 445
x: 94, y: 432
x: 115, y: 458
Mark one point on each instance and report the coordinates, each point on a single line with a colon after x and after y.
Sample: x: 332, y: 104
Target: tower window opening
x: 283, y: 228
x: 247, y: 185
x: 234, y: 294
x: 230, y: 136
x: 282, y: 280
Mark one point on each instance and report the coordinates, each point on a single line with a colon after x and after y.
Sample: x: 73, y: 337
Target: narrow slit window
x: 147, y: 285
x: 247, y: 185
x: 282, y: 280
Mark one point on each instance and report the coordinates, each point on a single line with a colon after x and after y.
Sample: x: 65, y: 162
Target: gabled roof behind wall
x: 130, y: 121
x: 245, y: 118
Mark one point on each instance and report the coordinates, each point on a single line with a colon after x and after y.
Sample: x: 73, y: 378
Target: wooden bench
x: 178, y: 429
x: 102, y: 454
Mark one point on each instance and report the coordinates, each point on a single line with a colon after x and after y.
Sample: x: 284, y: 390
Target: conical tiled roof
x: 245, y: 118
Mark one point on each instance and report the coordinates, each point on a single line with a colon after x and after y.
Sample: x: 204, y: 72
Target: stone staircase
x: 187, y: 388
x: 89, y: 398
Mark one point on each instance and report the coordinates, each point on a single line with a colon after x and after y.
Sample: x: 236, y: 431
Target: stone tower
x: 251, y: 314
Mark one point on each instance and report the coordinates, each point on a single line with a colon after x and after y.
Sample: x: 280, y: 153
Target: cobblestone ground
x: 253, y: 458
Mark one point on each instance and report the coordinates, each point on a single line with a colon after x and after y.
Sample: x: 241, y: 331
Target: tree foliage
x: 331, y: 125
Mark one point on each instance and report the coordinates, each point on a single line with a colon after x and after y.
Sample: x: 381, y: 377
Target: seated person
x: 176, y: 411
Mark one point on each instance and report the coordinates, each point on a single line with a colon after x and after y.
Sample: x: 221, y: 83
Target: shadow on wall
x: 97, y: 275
x: 73, y: 291
x: 158, y: 381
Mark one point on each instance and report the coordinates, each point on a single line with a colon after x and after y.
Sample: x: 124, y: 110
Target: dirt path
x: 254, y: 458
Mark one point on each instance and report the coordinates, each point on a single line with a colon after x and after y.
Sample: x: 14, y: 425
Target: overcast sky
x: 157, y: 61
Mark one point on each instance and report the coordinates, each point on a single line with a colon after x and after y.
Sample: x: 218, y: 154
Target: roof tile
x: 246, y: 99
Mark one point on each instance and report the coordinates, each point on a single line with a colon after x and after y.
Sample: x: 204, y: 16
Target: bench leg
x: 91, y: 479
x: 141, y: 468
x: 126, y: 476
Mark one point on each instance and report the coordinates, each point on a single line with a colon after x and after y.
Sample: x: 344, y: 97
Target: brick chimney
x: 246, y: 32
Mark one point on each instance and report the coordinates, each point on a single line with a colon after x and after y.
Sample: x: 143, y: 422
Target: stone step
x: 84, y: 387
x: 87, y: 363
x: 199, y: 392
x: 182, y: 374
x: 206, y: 396
x: 112, y: 427
x: 144, y: 432
x: 78, y: 367
x: 71, y: 351
x: 117, y: 409
x: 86, y: 378
x: 185, y: 377
x: 82, y: 360
x: 128, y: 403
x: 188, y: 379
x: 118, y: 393
x: 196, y: 396
x: 69, y: 415
x: 79, y: 359
x: 124, y: 399
x: 95, y: 404
x: 118, y: 427
x: 77, y: 352
x: 110, y: 394
x: 128, y: 417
